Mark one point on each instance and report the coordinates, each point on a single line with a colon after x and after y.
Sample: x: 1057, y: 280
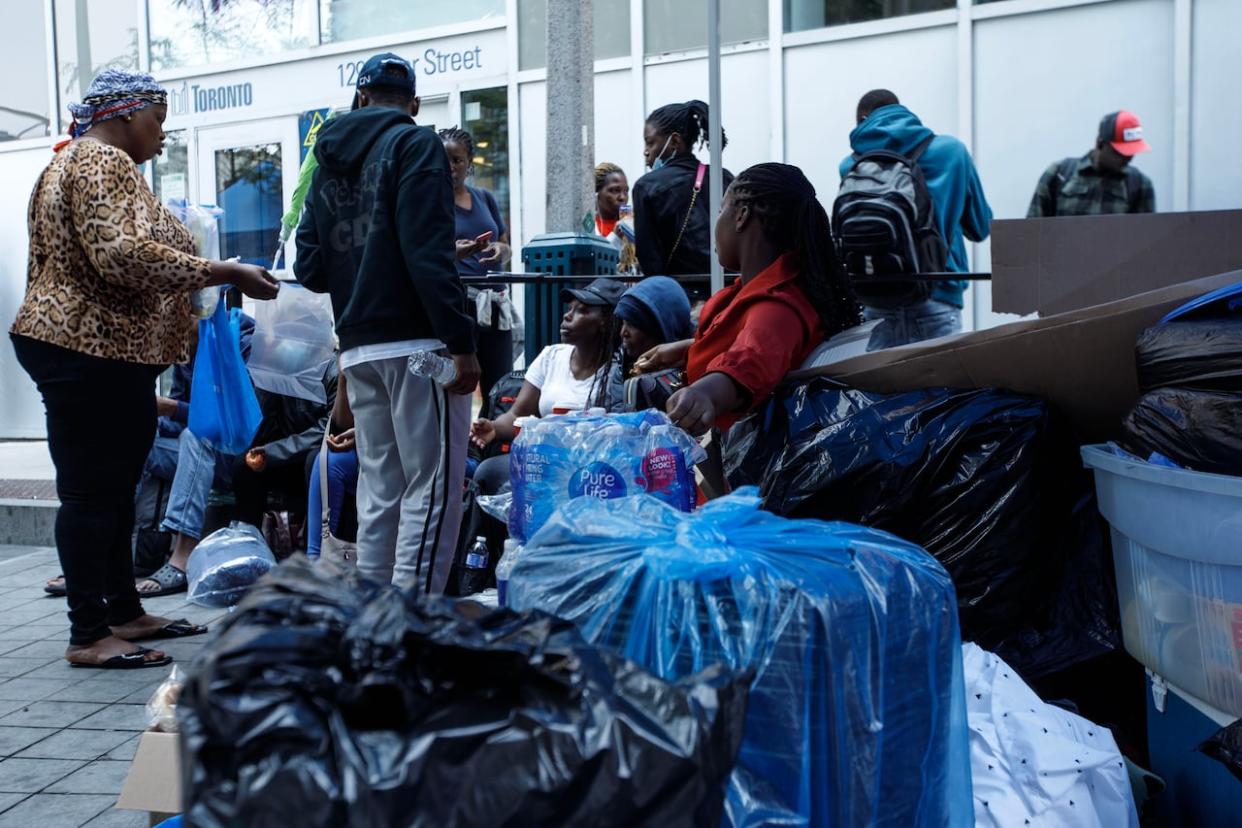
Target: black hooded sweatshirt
x: 377, y: 232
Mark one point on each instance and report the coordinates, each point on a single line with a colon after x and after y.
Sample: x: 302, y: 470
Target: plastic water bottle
x: 433, y: 366
x: 474, y: 578
x: 504, y: 568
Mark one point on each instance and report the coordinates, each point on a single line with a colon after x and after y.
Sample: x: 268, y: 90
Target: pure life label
x: 598, y: 480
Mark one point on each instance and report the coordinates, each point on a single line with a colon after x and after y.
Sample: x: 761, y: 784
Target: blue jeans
x: 901, y: 326
x: 194, y: 468
x: 342, y: 481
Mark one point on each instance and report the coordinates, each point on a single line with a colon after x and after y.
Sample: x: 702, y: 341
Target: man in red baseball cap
x: 1102, y: 181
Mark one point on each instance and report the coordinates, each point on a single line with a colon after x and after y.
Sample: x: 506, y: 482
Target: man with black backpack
x: 909, y: 198
x: 1101, y: 182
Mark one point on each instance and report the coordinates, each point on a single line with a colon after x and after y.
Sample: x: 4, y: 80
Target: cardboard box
x: 154, y: 781
x: 1083, y: 361
x: 1055, y: 265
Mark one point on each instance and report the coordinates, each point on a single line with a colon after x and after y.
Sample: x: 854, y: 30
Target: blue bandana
x: 113, y: 93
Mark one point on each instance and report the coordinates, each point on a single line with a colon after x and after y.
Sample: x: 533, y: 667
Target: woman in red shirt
x: 792, y: 295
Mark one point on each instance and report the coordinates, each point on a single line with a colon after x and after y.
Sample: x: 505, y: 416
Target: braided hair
x: 603, y: 170
x: 606, y: 352
x: 457, y: 135
x: 795, y: 222
x: 689, y: 120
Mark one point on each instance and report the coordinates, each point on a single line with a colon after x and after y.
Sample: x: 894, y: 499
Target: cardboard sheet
x: 1082, y: 361
x: 1055, y: 265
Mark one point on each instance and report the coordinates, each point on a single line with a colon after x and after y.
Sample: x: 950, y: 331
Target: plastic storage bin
x: 1200, y: 792
x: 1177, y: 549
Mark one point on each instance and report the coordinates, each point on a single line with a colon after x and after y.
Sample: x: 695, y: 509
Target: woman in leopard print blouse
x: 106, y: 309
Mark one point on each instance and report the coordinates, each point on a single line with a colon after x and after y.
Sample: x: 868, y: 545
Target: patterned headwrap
x: 113, y: 93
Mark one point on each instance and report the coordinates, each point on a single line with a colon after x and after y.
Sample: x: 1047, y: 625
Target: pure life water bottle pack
x: 557, y: 459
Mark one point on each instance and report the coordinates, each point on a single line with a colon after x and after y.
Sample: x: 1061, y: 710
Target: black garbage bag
x: 1204, y: 355
x: 1201, y: 430
x: 325, y: 701
x: 987, y: 481
x: 1225, y: 746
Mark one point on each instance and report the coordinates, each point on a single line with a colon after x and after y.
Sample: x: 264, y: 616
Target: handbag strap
x: 325, y: 516
x: 694, y: 195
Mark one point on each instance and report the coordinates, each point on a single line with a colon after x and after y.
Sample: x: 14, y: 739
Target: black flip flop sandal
x: 181, y: 628
x: 137, y: 660
x: 170, y: 579
x: 56, y: 591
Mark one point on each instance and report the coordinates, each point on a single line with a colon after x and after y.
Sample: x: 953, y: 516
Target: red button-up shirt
x: 755, y: 333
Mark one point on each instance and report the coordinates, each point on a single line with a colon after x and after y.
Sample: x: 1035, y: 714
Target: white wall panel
x: 744, y: 90
x: 21, y: 410
x: 1216, y: 106
x: 1043, y: 81
x: 824, y: 81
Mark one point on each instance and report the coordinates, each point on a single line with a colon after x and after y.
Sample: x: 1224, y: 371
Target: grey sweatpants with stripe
x: 411, y: 437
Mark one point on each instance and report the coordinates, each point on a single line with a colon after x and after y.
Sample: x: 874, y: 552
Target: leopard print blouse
x: 110, y: 269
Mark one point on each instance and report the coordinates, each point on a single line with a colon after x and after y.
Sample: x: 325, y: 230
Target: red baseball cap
x: 1123, y: 130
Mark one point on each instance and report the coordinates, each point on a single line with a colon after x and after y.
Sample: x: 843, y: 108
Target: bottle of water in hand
x: 433, y: 366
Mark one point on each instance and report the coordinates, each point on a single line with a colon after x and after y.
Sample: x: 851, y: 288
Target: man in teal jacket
x: 961, y: 211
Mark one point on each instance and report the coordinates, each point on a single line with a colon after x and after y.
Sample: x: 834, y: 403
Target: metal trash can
x: 559, y: 254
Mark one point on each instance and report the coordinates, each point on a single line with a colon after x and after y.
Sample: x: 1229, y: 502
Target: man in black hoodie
x: 377, y: 233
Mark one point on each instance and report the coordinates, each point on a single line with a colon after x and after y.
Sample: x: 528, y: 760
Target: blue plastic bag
x: 224, y: 410
x: 557, y: 459
x: 857, y: 712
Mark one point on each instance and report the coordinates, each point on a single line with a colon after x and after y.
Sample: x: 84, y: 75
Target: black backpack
x: 884, y: 221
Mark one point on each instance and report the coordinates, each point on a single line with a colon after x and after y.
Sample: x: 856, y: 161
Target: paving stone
x: 96, y: 778
x: 8, y: 706
x: 14, y: 667
x: 116, y: 818
x: 75, y: 743
x: 31, y: 612
x: 59, y: 670
x: 117, y: 717
x: 126, y: 750
x: 33, y: 775
x: 47, y: 713
x: 46, y: 650
x: 29, y: 689
x: 8, y: 800
x: 16, y: 739
x: 56, y: 810
x: 103, y: 691
x: 20, y: 633
x: 8, y: 645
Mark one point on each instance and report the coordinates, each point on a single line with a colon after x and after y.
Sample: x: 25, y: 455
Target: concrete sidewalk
x: 67, y: 734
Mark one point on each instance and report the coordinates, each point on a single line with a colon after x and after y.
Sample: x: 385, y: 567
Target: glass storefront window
x: 485, y: 115
x: 203, y: 32
x: 678, y: 26
x: 248, y: 189
x: 24, y: 65
x: 91, y: 37
x: 612, y: 32
x: 170, y: 174
x: 801, y: 15
x: 352, y: 19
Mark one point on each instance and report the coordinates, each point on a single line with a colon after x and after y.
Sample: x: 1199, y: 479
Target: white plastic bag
x: 293, y: 343
x: 226, y: 564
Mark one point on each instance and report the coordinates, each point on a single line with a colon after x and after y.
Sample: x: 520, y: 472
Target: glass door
x: 250, y: 171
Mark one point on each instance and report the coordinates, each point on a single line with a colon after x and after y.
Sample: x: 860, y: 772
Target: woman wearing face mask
x: 106, y: 309
x: 672, y: 203
x: 482, y: 245
x: 792, y: 295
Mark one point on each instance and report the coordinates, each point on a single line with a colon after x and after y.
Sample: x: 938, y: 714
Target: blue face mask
x: 660, y: 160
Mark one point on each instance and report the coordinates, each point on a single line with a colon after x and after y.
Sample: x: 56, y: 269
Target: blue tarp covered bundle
x: 857, y: 714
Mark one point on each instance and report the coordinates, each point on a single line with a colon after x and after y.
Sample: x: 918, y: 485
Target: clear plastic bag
x: 496, y: 506
x: 162, y: 706
x: 857, y: 711
x: 226, y: 564
x: 203, y: 220
x: 557, y: 459
x: 293, y: 343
